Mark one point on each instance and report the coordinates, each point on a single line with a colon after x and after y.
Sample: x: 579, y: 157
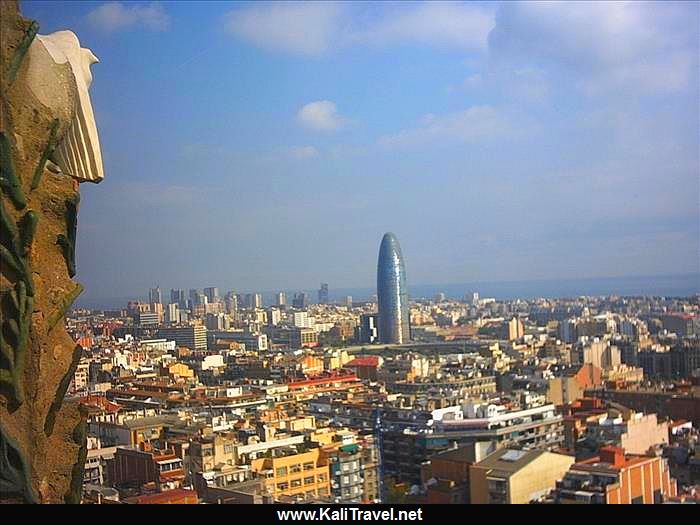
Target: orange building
x: 569, y: 388
x: 617, y: 478
x: 311, y: 364
x: 305, y: 474
x: 85, y: 342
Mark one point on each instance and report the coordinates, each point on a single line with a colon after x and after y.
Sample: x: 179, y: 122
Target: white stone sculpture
x: 78, y: 151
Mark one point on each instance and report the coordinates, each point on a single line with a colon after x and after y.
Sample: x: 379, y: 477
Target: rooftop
x: 509, y: 461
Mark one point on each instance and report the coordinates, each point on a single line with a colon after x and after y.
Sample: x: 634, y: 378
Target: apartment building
x: 614, y: 477
x: 297, y: 474
x: 511, y: 476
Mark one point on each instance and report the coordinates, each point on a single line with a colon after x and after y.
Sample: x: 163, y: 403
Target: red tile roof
x: 176, y: 496
x: 372, y: 361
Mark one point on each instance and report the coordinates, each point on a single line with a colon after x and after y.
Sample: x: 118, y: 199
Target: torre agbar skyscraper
x: 392, y: 294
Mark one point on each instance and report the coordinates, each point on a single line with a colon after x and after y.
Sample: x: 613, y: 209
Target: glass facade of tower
x: 392, y: 294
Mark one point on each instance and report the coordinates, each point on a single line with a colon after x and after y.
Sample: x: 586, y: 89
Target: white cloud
x: 303, y: 28
x: 316, y: 28
x: 442, y: 24
x: 645, y: 46
x: 114, y: 16
x: 302, y: 152
x: 671, y: 73
x: 475, y: 123
x: 321, y: 115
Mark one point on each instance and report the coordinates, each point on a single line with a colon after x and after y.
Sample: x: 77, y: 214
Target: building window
x: 309, y: 480
x: 296, y: 483
x: 638, y: 500
x: 309, y: 466
x: 281, y: 472
x: 295, y: 469
x: 657, y: 497
x: 282, y: 486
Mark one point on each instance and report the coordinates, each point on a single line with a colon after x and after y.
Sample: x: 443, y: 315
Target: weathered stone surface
x: 42, y: 442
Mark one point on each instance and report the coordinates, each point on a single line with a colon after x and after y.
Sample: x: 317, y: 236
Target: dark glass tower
x: 392, y: 294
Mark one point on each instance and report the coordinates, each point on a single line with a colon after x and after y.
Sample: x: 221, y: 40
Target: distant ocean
x: 682, y: 285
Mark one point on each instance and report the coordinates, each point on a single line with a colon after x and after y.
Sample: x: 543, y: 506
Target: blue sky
x: 264, y: 145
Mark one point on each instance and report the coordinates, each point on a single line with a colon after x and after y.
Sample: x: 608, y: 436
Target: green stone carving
x: 64, y: 305
x: 67, y: 243
x: 14, y: 471
x: 27, y: 229
x: 14, y: 336
x: 21, y: 50
x: 48, y: 150
x: 9, y: 182
x: 15, y: 239
x: 43, y: 439
x: 61, y: 391
x: 73, y: 496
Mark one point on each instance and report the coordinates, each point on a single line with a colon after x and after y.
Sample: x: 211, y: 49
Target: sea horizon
x: 667, y: 285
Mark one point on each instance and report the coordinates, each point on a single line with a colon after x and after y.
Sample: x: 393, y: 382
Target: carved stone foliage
x: 43, y: 93
x: 14, y: 482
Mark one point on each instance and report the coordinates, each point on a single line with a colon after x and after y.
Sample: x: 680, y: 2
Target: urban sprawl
x: 202, y: 397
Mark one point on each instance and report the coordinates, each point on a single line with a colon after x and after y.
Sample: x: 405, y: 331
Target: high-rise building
x: 392, y: 294
x: 157, y: 308
x: 177, y: 296
x: 515, y: 329
x: 231, y: 301
x: 301, y: 300
x: 301, y: 319
x: 440, y: 297
x: 250, y: 300
x: 281, y: 299
x: 194, y: 297
x: 172, y: 313
x: 142, y: 319
x: 212, y: 294
x: 368, y: 328
x: 323, y: 294
x: 154, y: 295
x: 348, y: 301
x: 192, y: 337
x: 216, y: 322
x: 274, y: 316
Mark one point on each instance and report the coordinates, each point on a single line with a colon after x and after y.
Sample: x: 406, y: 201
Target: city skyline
x: 538, y: 158
x: 681, y: 285
x: 505, y: 142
